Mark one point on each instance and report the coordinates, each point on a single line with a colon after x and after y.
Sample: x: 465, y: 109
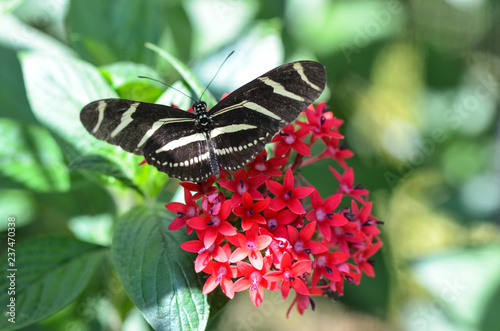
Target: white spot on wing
x: 279, y: 89
x: 300, y: 70
x: 100, y: 108
x: 249, y: 105
x: 181, y: 142
x: 158, y: 124
x: 230, y: 129
x: 125, y: 120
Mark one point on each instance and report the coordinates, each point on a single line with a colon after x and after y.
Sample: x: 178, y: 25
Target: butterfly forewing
x: 130, y: 124
x: 261, y: 108
x: 192, y: 146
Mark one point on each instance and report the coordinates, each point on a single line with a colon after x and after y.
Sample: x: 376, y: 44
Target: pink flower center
x: 287, y: 196
x: 249, y: 213
x: 222, y: 270
x: 241, y: 187
x: 272, y: 223
x: 345, y: 188
x: 320, y: 215
x: 255, y: 277
x: 288, y: 274
x: 191, y: 212
x: 289, y: 139
x: 251, y: 245
x: 260, y: 166
x: 214, y: 221
x: 321, y: 261
x: 299, y: 246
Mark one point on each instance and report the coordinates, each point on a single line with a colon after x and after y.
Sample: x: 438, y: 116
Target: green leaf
x: 121, y: 73
x: 52, y: 272
x: 103, y: 165
x: 12, y: 94
x: 124, y: 77
x: 32, y: 159
x: 111, y: 28
x: 19, y: 204
x: 58, y: 88
x: 156, y: 273
x: 8, y: 6
x: 18, y: 35
x: 186, y: 73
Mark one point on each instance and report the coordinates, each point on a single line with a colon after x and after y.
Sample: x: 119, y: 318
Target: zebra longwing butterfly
x: 192, y: 146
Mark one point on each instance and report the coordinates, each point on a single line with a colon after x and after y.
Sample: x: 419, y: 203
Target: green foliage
x: 55, y: 270
x: 156, y: 273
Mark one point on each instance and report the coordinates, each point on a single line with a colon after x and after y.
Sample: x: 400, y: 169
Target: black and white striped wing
x: 248, y: 118
x: 130, y: 124
x: 183, y: 153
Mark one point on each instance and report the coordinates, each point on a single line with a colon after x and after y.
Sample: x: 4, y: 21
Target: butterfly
x: 192, y: 146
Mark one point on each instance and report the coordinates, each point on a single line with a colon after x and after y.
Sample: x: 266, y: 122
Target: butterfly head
x: 203, y: 121
x: 200, y: 107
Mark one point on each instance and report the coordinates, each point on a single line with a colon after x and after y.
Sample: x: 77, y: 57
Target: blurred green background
x: 417, y: 83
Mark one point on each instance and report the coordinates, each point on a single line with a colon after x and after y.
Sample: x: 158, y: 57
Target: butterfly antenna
x: 206, y: 88
x: 159, y: 81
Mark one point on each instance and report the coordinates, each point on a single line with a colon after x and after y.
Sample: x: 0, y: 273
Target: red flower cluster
x: 256, y: 229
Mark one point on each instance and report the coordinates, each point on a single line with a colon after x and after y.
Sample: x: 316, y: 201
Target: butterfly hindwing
x: 184, y: 154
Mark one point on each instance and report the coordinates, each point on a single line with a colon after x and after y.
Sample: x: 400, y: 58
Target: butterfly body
x: 192, y: 146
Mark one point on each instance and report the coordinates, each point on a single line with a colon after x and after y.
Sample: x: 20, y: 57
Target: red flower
x: 348, y: 272
x: 336, y: 151
x: 288, y: 138
x: 326, y: 265
x: 250, y: 212
x: 242, y: 184
x: 321, y: 122
x: 301, y: 241
x: 367, y: 223
x: 276, y: 221
x: 302, y: 300
x: 361, y: 258
x: 220, y: 273
x: 202, y: 188
x: 345, y: 234
x: 286, y: 195
x: 346, y: 181
x: 289, y: 275
x: 323, y: 213
x: 249, y: 244
x: 261, y: 165
x: 184, y: 212
x: 253, y: 279
x: 205, y: 254
x: 213, y: 224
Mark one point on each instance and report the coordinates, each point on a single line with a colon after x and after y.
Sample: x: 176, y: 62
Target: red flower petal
x: 302, y: 192
x: 277, y: 204
x: 275, y: 187
x: 295, y: 206
x: 301, y: 148
x: 288, y: 181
